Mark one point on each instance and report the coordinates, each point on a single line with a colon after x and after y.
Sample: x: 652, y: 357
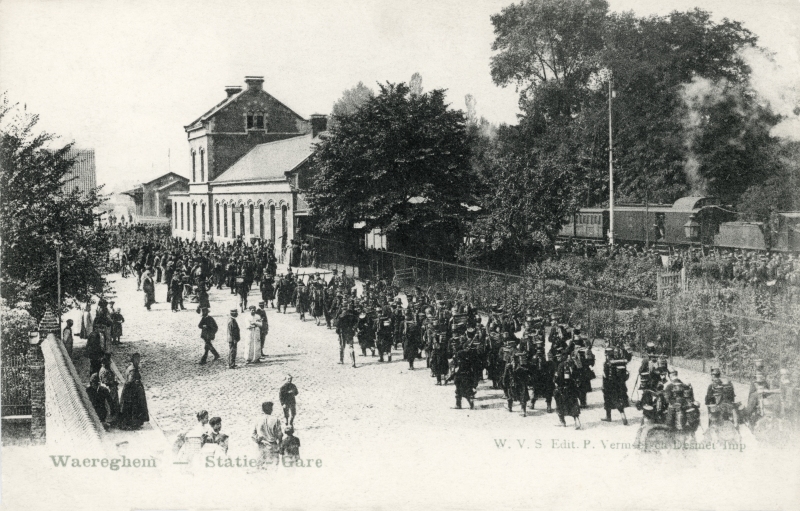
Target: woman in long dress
x: 133, y: 402
x: 86, y: 321
x: 254, y: 342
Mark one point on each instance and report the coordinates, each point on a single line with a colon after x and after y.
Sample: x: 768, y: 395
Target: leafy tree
x: 399, y: 163
x: 352, y: 99
x: 37, y: 215
x: 548, y: 49
x: 685, y: 117
x: 415, y: 84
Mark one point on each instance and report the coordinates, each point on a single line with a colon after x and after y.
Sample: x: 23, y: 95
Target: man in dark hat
x: 346, y: 328
x: 411, y: 339
x: 234, y: 336
x: 615, y: 392
x: 176, y: 291
x: 566, y: 391
x: 385, y: 330
x: 542, y: 371
x: 463, y: 378
x: 515, y: 383
x: 208, y: 328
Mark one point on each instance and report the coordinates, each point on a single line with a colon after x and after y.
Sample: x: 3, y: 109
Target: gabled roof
x: 171, y: 174
x: 231, y: 99
x: 271, y: 160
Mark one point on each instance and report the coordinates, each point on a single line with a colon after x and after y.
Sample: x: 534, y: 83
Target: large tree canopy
x: 399, y: 163
x: 686, y: 119
x: 37, y: 215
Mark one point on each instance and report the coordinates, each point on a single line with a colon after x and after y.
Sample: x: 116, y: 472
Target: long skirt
x: 253, y: 352
x: 133, y: 405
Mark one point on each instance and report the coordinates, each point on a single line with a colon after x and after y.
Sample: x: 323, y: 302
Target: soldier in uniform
x: 720, y: 400
x: 584, y: 361
x: 384, y: 332
x: 542, y: 371
x: 365, y: 330
x: 615, y: 392
x: 346, y: 328
x: 411, y: 339
x: 439, y: 363
x: 463, y: 378
x: 515, y: 383
x: 566, y: 391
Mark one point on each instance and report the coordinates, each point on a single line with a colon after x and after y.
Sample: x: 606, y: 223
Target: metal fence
x: 16, y: 386
x: 697, y: 327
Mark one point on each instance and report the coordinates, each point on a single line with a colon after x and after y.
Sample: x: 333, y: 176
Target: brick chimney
x: 254, y: 83
x: 232, y: 90
x: 319, y: 123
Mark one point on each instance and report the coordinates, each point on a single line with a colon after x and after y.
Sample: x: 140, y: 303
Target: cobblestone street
x: 382, y: 431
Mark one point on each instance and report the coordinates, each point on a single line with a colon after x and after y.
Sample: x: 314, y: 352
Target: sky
x: 124, y: 77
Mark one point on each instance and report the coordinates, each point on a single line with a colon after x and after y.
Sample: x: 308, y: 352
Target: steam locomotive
x: 690, y: 220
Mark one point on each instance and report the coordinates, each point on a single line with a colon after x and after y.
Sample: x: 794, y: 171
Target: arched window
x: 252, y: 217
x: 216, y: 216
x: 202, y: 165
x: 284, y: 225
x: 175, y: 226
x: 261, y: 221
x: 181, y: 215
x: 194, y: 218
x: 241, y: 220
x: 225, y: 219
x: 272, y: 222
x: 203, y: 219
x: 194, y: 166
x: 233, y: 221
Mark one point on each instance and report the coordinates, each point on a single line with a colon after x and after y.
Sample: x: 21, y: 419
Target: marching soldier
x: 411, y: 339
x: 515, y: 383
x: 346, y: 328
x: 720, y: 400
x: 463, y: 379
x: 365, y: 331
x: 615, y: 392
x: 566, y: 391
x: 542, y: 372
x: 384, y: 332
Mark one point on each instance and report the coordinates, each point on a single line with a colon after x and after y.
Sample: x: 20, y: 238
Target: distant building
x: 250, y: 157
x: 152, y: 199
x: 82, y: 175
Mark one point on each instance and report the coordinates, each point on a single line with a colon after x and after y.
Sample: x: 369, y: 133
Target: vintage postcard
x: 516, y: 254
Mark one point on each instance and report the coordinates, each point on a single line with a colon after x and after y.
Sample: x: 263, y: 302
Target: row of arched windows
x: 225, y: 215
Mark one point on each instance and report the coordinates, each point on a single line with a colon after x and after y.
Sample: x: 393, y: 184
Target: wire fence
x: 16, y: 386
x: 704, y: 327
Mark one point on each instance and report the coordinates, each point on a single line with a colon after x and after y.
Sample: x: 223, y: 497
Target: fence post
x: 671, y: 331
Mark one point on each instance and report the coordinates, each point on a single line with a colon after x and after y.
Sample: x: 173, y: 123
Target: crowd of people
x: 753, y: 268
x: 530, y: 355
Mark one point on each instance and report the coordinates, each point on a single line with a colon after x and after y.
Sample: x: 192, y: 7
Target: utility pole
x: 610, y: 167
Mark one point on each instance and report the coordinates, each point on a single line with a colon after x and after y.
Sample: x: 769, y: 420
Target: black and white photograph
x: 379, y: 255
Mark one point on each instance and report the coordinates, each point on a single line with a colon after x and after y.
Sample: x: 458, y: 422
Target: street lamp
x: 34, y: 339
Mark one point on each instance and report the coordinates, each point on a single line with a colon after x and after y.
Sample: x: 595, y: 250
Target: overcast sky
x: 125, y: 77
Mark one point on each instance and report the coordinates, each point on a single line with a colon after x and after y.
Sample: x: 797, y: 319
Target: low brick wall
x: 71, y: 420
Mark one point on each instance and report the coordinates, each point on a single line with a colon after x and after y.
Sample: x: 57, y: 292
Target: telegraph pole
x: 610, y: 168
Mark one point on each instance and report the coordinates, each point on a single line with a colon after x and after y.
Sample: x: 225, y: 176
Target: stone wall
x: 71, y: 420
